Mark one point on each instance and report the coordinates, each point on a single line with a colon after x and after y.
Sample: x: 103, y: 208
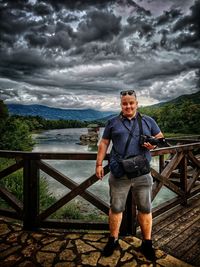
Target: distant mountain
x: 57, y: 113
x: 105, y: 119
x: 85, y: 114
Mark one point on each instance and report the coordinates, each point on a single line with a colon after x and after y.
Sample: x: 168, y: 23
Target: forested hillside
x: 181, y: 115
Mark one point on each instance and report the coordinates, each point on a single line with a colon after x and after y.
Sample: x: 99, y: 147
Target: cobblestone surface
x: 61, y: 249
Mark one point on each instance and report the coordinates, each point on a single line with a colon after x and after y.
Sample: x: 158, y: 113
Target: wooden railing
x: 179, y: 170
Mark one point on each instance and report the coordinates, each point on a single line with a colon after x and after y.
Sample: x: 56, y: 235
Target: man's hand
x: 100, y: 172
x: 102, y: 149
x: 149, y: 146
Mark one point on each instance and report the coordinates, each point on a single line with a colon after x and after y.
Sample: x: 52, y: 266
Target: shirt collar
x: 122, y: 117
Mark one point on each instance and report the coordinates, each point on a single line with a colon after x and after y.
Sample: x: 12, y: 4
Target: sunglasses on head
x: 129, y: 92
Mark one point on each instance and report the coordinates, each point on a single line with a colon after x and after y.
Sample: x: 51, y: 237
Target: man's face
x: 129, y: 105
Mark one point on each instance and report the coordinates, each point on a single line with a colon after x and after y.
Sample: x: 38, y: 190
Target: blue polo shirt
x: 116, y: 130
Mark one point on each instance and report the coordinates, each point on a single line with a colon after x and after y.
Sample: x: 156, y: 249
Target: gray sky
x: 81, y: 54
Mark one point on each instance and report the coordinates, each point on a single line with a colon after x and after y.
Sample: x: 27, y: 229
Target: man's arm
x: 159, y: 135
x: 102, y: 149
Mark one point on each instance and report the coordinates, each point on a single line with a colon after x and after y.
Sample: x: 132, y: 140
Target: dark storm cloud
x: 35, y: 40
x: 13, y: 21
x: 17, y: 4
x: 42, y: 9
x: 21, y: 63
x: 169, y: 16
x: 77, y: 5
x: 94, y: 52
x: 99, y: 26
x: 191, y: 25
x: 144, y: 28
x: 60, y: 39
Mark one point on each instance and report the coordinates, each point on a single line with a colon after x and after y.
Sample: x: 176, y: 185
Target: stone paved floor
x: 62, y: 249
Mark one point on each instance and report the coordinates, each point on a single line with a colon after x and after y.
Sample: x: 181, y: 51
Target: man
x: 117, y: 130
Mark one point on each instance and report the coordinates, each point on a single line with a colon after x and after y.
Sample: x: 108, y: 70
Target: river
x: 67, y: 140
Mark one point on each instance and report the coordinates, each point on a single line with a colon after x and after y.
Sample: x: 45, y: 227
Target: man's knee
x: 117, y: 209
x: 146, y: 209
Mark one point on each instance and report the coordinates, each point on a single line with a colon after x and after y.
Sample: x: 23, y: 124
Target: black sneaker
x: 110, y: 247
x: 147, y: 250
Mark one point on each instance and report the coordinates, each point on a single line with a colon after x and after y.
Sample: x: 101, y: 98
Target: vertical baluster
x: 161, y: 163
x: 31, y: 194
x: 183, y: 177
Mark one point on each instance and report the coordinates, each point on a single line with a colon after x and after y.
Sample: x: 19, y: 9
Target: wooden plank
x: 193, y: 179
x: 175, y: 229
x: 167, y: 183
x: 166, y: 214
x: 178, y: 212
x: 66, y: 181
x: 183, y: 173
x: 161, y: 163
x: 10, y: 214
x: 172, y: 165
x: 31, y: 194
x: 11, y: 169
x: 167, y: 172
x: 188, y: 244
x: 89, y: 156
x: 129, y: 220
x: 193, y: 159
x: 183, y: 140
x: 192, y: 202
x: 185, y: 240
x: 175, y: 149
x: 11, y: 200
x: 192, y: 256
x: 168, y: 205
x: 183, y: 177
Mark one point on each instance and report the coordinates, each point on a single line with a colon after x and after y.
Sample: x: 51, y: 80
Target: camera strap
x: 139, y: 120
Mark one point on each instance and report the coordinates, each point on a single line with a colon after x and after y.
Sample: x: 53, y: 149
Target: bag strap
x: 128, y: 140
x: 139, y: 120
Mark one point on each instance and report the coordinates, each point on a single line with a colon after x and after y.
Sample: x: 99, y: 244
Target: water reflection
x: 91, y: 146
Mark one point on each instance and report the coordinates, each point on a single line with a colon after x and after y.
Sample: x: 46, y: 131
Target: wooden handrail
x: 179, y: 173
x: 89, y: 156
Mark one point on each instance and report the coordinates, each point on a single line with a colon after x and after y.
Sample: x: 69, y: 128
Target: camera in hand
x: 160, y: 142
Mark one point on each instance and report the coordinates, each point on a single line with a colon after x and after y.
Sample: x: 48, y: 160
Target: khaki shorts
x: 141, y: 187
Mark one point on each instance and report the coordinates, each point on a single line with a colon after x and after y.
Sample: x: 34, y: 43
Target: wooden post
x: 161, y: 163
x: 129, y: 221
x: 31, y: 195
x: 183, y: 177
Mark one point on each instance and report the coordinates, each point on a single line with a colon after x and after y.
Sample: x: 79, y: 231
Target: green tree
x: 15, y: 135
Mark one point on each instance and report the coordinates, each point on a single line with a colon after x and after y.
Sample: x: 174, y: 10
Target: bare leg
x: 114, y: 223
x: 145, y: 221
